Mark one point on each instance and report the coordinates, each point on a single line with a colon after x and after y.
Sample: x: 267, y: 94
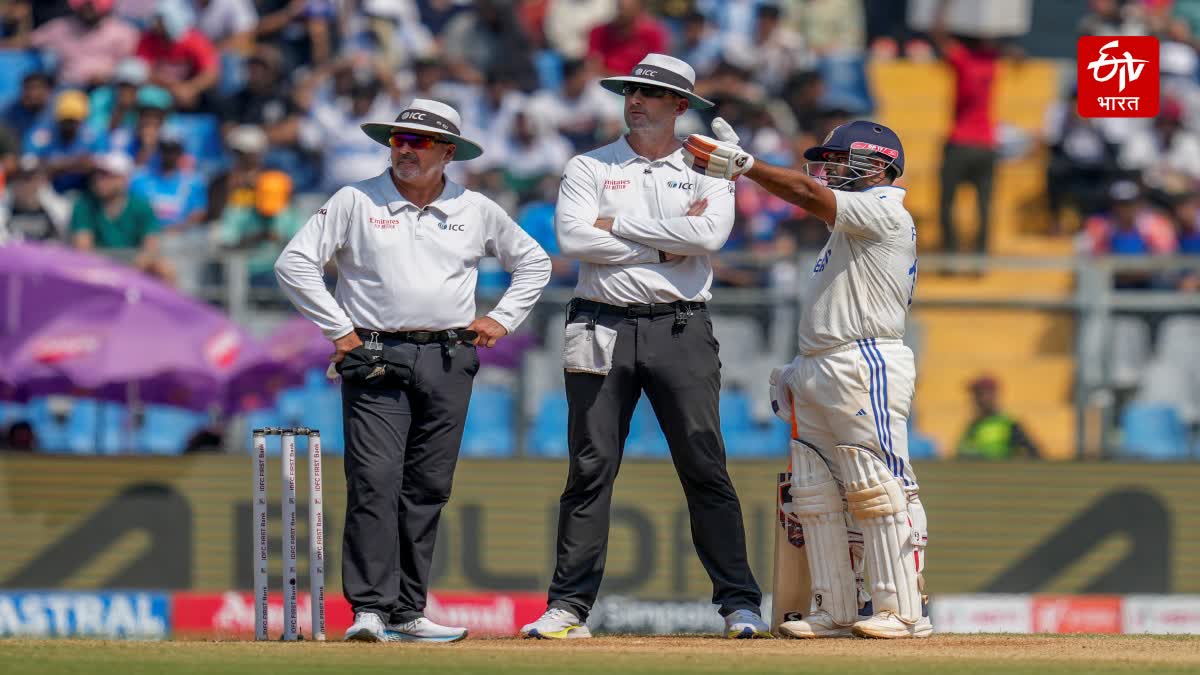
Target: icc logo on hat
x: 412, y: 115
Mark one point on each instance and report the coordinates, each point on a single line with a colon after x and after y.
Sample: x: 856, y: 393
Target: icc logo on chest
x: 453, y: 227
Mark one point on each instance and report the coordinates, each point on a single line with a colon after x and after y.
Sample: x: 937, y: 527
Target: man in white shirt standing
x: 643, y: 228
x: 407, y: 244
x: 848, y: 394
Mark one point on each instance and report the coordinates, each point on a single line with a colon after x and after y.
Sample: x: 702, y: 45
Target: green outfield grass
x: 1042, y: 655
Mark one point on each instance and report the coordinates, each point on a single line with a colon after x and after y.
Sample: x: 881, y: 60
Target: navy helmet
x: 867, y: 144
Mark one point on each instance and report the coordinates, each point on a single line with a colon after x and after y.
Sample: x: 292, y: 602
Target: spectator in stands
x: 31, y: 106
x: 32, y: 210
x: 537, y: 218
x: 1186, y: 213
x: 829, y: 27
x: 234, y: 187
x: 569, y: 23
x: 114, y: 106
x: 532, y: 151
x: 181, y: 58
x: 993, y: 434
x: 581, y: 111
x: 20, y: 437
x: 1130, y: 227
x: 303, y: 30
x: 474, y: 41
x: 263, y: 102
x: 333, y: 131
x: 1082, y: 162
x: 771, y: 52
x: 153, y: 105
x: 430, y: 81
x: 108, y: 216
x: 698, y: 44
x: 86, y: 45
x: 177, y: 195
x: 1112, y: 17
x: 620, y: 44
x: 803, y: 93
x: 263, y: 228
x: 65, y: 146
x: 228, y: 24
x: 490, y: 114
x: 969, y: 155
x: 1166, y: 153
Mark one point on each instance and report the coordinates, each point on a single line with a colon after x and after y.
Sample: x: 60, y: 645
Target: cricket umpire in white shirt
x: 407, y: 244
x: 848, y: 394
x: 643, y: 227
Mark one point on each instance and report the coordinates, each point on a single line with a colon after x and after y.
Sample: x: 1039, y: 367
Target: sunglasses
x: 414, y: 141
x: 649, y: 91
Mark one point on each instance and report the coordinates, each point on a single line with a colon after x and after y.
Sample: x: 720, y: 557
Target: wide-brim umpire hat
x: 424, y: 115
x: 662, y: 71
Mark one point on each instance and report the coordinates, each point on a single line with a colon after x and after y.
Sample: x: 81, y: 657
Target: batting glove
x: 719, y: 157
x: 781, y: 393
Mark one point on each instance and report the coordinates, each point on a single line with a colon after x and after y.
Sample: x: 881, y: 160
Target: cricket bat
x: 791, y: 583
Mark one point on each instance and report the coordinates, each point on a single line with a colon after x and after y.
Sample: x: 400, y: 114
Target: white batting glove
x: 719, y: 157
x: 781, y: 393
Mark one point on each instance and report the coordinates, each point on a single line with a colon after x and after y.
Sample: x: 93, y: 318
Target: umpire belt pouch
x: 588, y: 348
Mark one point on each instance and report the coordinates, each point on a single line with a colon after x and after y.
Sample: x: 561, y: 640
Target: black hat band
x: 427, y: 119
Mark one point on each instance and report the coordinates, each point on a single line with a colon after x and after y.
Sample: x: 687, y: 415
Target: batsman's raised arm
x: 722, y: 157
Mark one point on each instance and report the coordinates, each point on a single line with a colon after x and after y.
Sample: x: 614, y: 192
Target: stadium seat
x: 735, y: 412
x: 202, y: 134
x: 14, y: 66
x: 548, y: 433
x: 489, y: 428
x: 1129, y: 350
x: 165, y: 430
x: 1172, y: 383
x: 1153, y: 431
x: 759, y: 441
x: 1179, y: 339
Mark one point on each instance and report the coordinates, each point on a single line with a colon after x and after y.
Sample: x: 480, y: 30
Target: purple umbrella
x: 75, y: 323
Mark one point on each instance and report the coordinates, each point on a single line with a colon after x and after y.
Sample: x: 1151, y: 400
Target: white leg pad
x: 879, y: 504
x: 817, y: 504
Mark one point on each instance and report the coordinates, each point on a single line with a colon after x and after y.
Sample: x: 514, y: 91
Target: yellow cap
x: 71, y: 105
x: 272, y: 192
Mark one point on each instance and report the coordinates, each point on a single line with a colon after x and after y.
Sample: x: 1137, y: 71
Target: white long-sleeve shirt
x: 647, y: 200
x: 403, y: 268
x: 863, y: 280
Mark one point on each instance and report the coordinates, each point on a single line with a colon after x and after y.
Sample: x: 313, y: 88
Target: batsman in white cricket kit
x: 847, y: 394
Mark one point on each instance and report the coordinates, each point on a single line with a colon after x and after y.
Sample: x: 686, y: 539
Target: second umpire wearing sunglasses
x: 643, y: 227
x: 402, y: 320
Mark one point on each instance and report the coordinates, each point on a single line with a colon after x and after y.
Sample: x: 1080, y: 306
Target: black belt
x: 424, y: 337
x: 651, y: 309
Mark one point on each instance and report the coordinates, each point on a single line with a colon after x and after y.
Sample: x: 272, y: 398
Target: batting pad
x: 878, y: 502
x: 817, y: 504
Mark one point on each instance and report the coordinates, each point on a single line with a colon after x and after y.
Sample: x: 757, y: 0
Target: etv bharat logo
x: 1118, y: 76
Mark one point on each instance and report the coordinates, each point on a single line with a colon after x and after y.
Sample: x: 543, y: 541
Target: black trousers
x: 679, y: 371
x: 402, y: 442
x: 975, y: 166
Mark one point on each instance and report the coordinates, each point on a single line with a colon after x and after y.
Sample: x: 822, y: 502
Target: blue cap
x: 861, y: 135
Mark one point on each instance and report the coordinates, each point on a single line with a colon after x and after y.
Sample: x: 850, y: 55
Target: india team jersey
x: 863, y: 281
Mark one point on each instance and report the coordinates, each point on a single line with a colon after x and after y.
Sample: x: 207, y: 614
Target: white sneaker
x: 887, y: 625
x: 556, y: 624
x: 423, y: 630
x: 745, y: 624
x: 367, y: 627
x: 819, y: 624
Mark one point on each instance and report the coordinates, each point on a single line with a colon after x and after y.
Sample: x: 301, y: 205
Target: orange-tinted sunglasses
x: 414, y: 141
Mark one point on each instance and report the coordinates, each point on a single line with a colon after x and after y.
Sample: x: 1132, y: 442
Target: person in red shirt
x: 970, y: 151
x: 620, y: 44
x: 181, y: 58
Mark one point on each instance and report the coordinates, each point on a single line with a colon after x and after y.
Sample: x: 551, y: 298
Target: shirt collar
x: 396, y: 201
x: 890, y: 190
x: 626, y: 156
